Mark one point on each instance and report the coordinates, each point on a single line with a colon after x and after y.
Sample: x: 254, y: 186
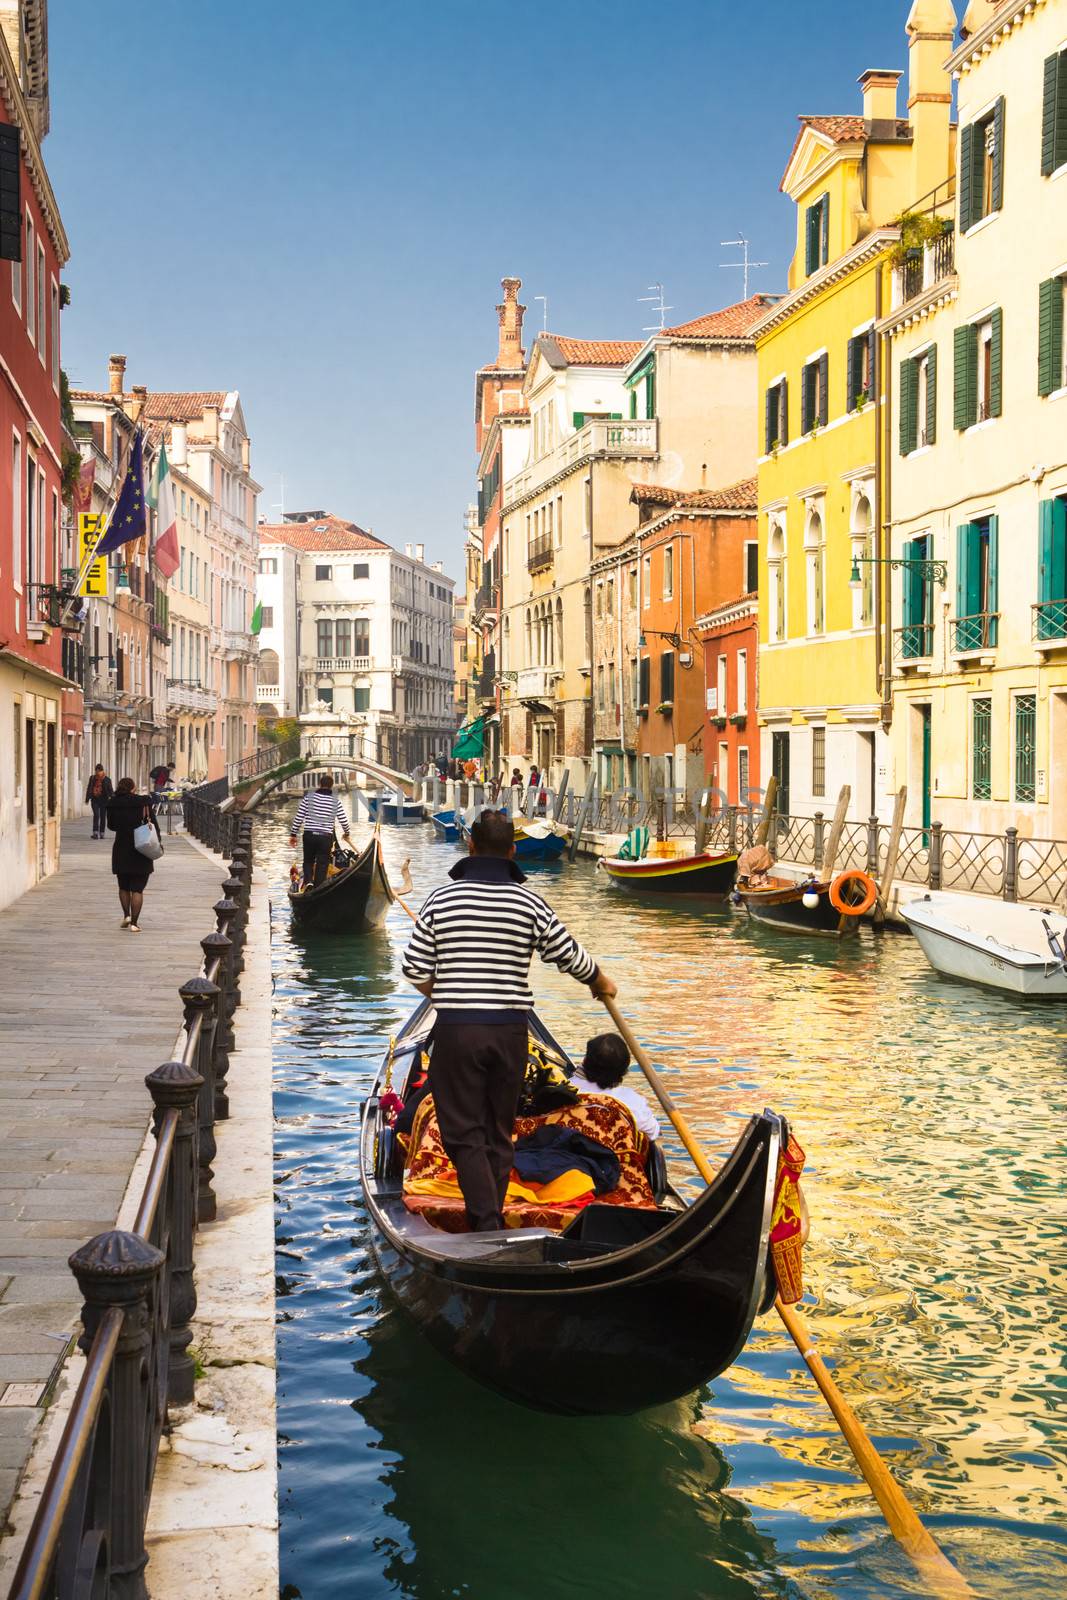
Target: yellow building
x: 979, y: 449
x: 823, y: 711
x: 191, y: 698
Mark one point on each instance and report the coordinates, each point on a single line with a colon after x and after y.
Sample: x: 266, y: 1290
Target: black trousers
x: 317, y: 848
x: 99, y: 813
x: 476, y: 1074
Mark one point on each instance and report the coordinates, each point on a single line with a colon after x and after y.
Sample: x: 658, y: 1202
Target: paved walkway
x: 86, y: 1010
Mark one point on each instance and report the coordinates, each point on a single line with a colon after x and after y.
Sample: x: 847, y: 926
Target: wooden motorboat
x: 534, y: 841
x: 350, y: 901
x: 707, y: 873
x: 444, y: 825
x: 393, y: 808
x: 624, y: 1309
x: 1000, y: 945
x: 812, y: 905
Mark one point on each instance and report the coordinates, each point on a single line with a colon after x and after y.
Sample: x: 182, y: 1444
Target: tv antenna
x: 747, y: 265
x: 544, y: 301
x: 655, y: 299
x: 279, y: 505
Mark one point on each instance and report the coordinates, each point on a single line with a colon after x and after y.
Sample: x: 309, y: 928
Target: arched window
x: 777, y: 573
x: 862, y: 534
x: 267, y: 669
x: 529, y: 639
x: 814, y: 559
x: 559, y: 629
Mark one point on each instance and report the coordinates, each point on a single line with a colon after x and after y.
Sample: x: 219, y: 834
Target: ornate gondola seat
x: 431, y: 1190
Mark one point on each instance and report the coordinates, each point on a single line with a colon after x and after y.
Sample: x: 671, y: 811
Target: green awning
x: 470, y: 741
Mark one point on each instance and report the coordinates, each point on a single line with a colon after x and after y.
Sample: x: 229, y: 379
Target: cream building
x: 978, y: 447
x: 278, y: 665
x: 192, y: 704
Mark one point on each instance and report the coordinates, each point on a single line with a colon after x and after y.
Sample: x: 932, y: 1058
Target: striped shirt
x: 474, y: 940
x: 318, y: 811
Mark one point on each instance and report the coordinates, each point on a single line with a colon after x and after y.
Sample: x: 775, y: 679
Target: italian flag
x: 161, y: 499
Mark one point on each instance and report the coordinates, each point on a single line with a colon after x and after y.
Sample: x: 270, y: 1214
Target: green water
x: 932, y: 1116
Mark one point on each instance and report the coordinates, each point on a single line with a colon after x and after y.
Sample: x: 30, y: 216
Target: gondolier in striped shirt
x: 470, y: 952
x: 317, y: 813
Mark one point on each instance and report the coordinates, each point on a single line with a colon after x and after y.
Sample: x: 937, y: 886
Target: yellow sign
x: 90, y: 531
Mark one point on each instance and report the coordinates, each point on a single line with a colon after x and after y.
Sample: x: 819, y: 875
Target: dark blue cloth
x: 545, y: 1154
x: 129, y: 520
x: 488, y: 869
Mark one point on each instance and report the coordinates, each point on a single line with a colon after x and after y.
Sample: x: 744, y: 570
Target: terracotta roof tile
x: 732, y: 322
x: 183, y: 407
x: 593, y: 352
x: 325, y: 533
x: 841, y: 129
x: 736, y: 497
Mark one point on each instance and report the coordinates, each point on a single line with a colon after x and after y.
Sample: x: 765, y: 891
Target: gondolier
x: 317, y: 813
x: 470, y: 953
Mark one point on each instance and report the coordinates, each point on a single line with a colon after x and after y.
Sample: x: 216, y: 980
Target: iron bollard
x: 934, y: 876
x: 225, y: 919
x: 217, y: 944
x: 872, y: 846
x: 819, y: 847
x: 1011, y: 863
x: 176, y: 1086
x: 119, y: 1271
x: 200, y: 998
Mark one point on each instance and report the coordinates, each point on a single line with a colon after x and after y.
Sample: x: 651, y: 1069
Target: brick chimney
x: 138, y: 403
x: 880, y: 101
x: 931, y: 29
x: 116, y: 374
x: 509, y: 349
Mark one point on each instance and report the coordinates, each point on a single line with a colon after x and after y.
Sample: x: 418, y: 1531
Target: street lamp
x: 932, y: 571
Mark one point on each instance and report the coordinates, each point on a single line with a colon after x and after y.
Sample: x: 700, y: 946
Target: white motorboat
x: 995, y: 943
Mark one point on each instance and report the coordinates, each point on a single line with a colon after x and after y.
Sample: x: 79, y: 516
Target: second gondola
x: 353, y: 899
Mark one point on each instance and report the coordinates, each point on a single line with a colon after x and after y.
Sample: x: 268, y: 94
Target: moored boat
x: 708, y: 873
x: 534, y: 840
x: 393, y: 808
x: 830, y: 906
x: 994, y: 943
x: 444, y: 826
x: 628, y: 1305
x: 351, y: 900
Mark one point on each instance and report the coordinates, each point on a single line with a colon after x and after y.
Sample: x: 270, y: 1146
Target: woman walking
x: 98, y: 791
x: 125, y: 813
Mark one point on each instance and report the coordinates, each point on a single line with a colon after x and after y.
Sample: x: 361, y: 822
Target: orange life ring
x: 850, y: 908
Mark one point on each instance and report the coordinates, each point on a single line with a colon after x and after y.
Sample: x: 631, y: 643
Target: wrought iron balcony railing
x: 914, y: 641
x: 1050, y: 621
x: 540, y: 554
x: 976, y: 632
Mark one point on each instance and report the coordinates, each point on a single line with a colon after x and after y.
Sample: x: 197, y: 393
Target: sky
x: 315, y: 204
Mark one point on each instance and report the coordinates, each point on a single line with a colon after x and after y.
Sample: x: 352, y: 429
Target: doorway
x: 780, y: 769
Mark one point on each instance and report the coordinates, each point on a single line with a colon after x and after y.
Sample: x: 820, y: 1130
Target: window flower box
x: 666, y: 708
x: 739, y: 718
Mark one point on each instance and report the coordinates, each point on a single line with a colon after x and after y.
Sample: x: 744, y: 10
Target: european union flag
x: 129, y: 520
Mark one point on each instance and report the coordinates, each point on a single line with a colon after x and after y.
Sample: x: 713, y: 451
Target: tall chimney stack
x: 116, y: 374
x: 931, y: 29
x: 420, y: 552
x: 510, y: 353
x: 880, y: 101
x: 140, y: 400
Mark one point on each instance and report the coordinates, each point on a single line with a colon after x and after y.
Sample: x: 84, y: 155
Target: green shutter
x: 852, y: 372
x: 633, y: 404
x: 1049, y: 335
x: 783, y: 413
x: 1045, y: 557
x: 992, y: 596
x: 931, y: 395
x: 965, y: 377
x: 1052, y: 570
x: 810, y: 240
x: 650, y: 394
x: 909, y: 386
x: 770, y: 409
x: 1048, y: 114
x: 824, y: 389
x: 966, y: 176
x: 805, y: 399
x: 578, y: 418
x: 998, y: 155
x: 912, y: 595
x: 824, y: 230
x: 1059, y: 153
x: 996, y: 363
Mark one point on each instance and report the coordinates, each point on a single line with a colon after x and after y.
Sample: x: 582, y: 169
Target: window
x: 815, y: 558
x: 611, y: 597
x: 1051, y: 610
x: 976, y: 585
x: 666, y: 677
x: 16, y: 512
x: 1054, y: 114
x: 918, y: 401
x: 324, y: 630
x: 343, y: 637
x: 817, y: 235
x: 559, y: 522
x: 646, y: 578
x: 42, y: 326
x: 917, y: 601
x: 31, y: 772
x: 818, y: 761
x: 324, y: 692
x: 742, y: 776
x: 751, y: 563
x: 31, y: 256
x: 33, y: 572
x: 361, y: 637
x: 777, y: 572
x: 17, y: 748
x: 776, y: 421
x: 361, y: 698
x: 1051, y: 352
x: 860, y: 374
x: 981, y: 738
x: 361, y: 569
x: 268, y: 564
x: 600, y: 688
x: 742, y: 682
x: 55, y: 335
x: 668, y: 572
x: 323, y: 574
x: 1025, y: 747
x: 632, y: 588
x: 981, y: 179
x: 978, y: 353
x: 720, y: 686
x: 814, y: 397
x: 644, y: 685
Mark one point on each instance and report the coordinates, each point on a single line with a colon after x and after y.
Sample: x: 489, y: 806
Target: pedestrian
x: 317, y: 813
x: 516, y: 777
x: 470, y: 952
x: 98, y: 792
x: 159, y: 777
x: 126, y: 811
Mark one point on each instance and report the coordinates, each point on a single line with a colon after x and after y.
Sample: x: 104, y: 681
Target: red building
x: 34, y: 245
x: 730, y: 635
x: 696, y: 553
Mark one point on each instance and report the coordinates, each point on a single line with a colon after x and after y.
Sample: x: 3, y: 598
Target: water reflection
x: 932, y: 1118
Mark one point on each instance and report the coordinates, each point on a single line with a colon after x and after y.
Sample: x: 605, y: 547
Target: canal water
x: 933, y: 1118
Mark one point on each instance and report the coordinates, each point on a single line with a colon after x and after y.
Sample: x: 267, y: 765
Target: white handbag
x: 146, y: 840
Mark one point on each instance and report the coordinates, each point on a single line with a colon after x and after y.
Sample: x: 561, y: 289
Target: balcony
x: 487, y: 598
x: 976, y: 634
x: 912, y: 643
x: 629, y: 440
x: 268, y: 692
x: 190, y: 697
x: 342, y: 664
x: 238, y: 642
x: 540, y: 555
x: 925, y: 270
x: 537, y: 683
x: 1050, y: 624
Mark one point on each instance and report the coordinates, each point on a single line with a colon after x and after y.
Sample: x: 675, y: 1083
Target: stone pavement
x: 86, y: 1010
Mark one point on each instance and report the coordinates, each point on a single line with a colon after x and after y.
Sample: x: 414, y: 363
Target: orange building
x: 696, y: 550
x: 730, y: 635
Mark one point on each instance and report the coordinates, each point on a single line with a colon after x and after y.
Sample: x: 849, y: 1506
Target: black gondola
x: 624, y: 1310
x: 352, y: 900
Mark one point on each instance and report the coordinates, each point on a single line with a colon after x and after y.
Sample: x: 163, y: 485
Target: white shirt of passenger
x: 634, y: 1102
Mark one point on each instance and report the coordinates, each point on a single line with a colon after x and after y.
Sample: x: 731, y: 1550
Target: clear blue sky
x: 315, y: 203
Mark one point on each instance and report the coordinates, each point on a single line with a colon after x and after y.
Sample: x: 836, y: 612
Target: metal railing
x: 1050, y: 620
x: 913, y: 642
x: 540, y: 553
x: 976, y: 632
x: 138, y: 1288
x: 264, y: 758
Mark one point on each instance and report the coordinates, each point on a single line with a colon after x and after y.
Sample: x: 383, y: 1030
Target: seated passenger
x: 606, y: 1063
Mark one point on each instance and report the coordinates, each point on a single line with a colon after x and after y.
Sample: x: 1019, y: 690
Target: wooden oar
x: 904, y: 1524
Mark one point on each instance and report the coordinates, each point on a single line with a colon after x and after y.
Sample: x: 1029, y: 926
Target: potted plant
x: 665, y: 708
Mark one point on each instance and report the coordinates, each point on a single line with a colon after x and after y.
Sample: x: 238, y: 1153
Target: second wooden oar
x: 898, y: 1511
